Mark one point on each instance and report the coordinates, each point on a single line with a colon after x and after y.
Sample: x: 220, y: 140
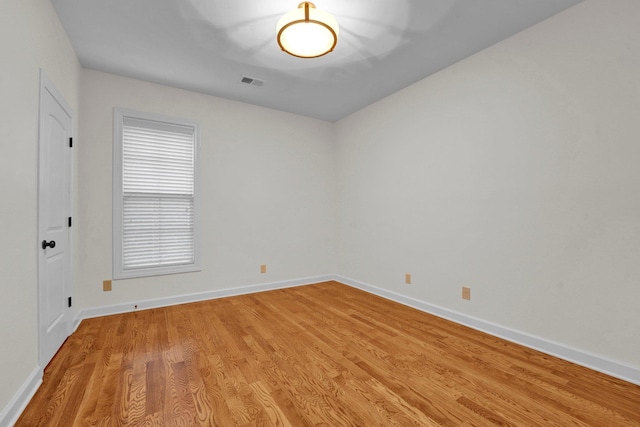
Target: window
x: 155, y: 195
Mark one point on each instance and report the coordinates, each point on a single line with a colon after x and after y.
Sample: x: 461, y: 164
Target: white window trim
x: 118, y: 271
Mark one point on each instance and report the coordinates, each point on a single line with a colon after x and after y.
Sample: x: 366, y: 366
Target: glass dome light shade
x: 307, y: 32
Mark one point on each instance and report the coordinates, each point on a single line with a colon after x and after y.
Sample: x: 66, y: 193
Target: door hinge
x: 70, y: 142
x: 69, y: 221
x: 69, y: 301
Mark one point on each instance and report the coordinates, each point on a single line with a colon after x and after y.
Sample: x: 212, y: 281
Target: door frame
x: 46, y: 85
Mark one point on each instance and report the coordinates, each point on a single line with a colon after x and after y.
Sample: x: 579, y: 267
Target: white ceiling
x: 209, y: 45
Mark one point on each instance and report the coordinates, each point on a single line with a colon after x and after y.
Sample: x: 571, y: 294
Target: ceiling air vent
x: 251, y: 81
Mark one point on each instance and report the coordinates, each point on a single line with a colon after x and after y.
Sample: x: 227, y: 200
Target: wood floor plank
x: 317, y: 355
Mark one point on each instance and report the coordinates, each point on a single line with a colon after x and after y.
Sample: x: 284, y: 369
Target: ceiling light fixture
x: 307, y: 32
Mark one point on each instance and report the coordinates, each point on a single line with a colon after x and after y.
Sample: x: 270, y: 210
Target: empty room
x: 362, y: 213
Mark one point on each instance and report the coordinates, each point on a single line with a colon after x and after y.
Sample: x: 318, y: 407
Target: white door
x: 54, y: 211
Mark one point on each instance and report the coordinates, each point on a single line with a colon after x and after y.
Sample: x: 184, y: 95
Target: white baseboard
x: 580, y: 357
x: 200, y: 296
x: 13, y: 410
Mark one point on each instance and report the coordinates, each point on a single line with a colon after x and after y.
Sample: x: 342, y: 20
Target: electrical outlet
x: 407, y: 278
x: 106, y: 285
x: 263, y: 268
x: 466, y: 293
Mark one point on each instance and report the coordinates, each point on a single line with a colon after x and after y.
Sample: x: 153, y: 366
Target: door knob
x: 51, y: 244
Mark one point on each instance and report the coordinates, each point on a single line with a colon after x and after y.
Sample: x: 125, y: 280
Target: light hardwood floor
x: 317, y: 355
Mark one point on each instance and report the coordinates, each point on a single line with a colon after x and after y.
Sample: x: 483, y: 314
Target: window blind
x: 158, y: 192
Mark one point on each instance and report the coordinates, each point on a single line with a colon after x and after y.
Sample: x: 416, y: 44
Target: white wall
x: 267, y: 192
x: 515, y: 172
x: 31, y: 38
